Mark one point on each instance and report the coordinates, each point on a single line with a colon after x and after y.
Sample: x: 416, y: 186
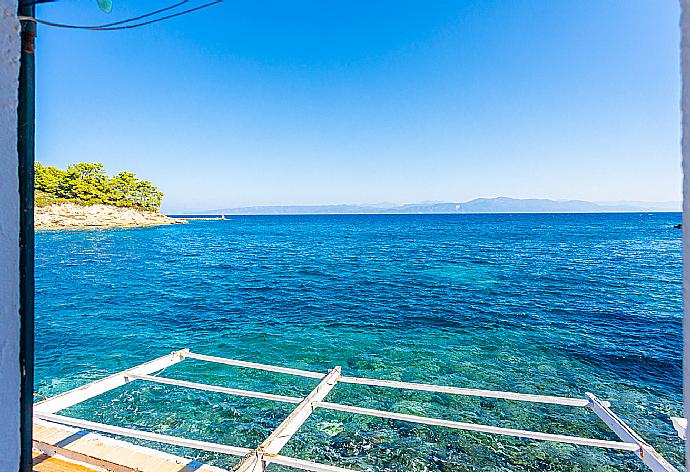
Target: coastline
x: 99, y: 216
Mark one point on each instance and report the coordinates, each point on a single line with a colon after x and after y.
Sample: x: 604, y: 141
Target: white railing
x: 256, y: 460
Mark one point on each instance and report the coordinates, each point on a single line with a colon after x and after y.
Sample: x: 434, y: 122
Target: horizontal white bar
x: 567, y: 401
x: 411, y: 418
x: 214, y: 388
x: 524, y: 397
x: 145, y: 435
x: 183, y: 442
x: 518, y: 433
x: 304, y: 465
x: 90, y: 390
x: 254, y: 365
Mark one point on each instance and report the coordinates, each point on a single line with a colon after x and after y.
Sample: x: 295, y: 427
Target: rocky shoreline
x: 74, y: 216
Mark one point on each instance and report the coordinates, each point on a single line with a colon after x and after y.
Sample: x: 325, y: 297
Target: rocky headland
x: 75, y: 216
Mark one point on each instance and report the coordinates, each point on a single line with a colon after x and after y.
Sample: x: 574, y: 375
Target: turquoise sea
x: 553, y: 304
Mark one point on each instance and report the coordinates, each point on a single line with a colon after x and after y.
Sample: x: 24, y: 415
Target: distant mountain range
x: 478, y: 205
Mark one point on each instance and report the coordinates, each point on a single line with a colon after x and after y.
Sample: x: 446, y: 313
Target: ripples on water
x: 553, y: 304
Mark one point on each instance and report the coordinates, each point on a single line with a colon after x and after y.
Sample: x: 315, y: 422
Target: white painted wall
x: 9, y: 238
x: 685, y: 106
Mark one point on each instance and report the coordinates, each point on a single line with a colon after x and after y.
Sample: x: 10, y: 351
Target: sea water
x: 543, y: 304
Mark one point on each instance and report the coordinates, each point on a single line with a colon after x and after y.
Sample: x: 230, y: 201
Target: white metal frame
x: 256, y: 460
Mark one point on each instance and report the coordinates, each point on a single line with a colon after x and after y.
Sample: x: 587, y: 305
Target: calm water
x: 558, y: 304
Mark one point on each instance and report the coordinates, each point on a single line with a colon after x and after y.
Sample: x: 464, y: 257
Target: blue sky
x: 313, y: 102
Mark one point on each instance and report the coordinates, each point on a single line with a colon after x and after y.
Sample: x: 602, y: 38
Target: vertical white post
x: 9, y: 239
x: 685, y: 145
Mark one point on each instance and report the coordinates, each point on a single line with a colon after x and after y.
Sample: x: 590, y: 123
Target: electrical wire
x: 107, y: 25
x: 121, y: 25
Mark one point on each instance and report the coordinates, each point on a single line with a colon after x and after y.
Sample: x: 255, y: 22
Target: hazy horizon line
x: 393, y: 205
x: 577, y: 205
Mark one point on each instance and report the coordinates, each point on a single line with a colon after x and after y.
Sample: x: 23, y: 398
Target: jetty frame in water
x: 256, y: 460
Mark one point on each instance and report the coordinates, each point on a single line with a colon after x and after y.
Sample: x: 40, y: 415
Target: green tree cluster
x: 88, y: 184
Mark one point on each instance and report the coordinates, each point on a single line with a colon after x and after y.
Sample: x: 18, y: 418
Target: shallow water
x: 553, y: 304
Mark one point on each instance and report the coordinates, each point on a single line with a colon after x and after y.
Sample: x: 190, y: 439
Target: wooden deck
x: 44, y: 463
x: 60, y: 448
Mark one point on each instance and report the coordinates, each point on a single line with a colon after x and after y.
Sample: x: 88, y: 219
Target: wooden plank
x: 46, y: 463
x: 90, y: 390
x: 55, y: 436
x: 215, y: 388
x: 282, y: 434
x: 517, y: 433
x: 254, y: 365
x: 649, y: 456
x: 51, y: 450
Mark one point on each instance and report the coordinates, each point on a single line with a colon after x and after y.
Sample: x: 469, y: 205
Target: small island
x: 85, y: 196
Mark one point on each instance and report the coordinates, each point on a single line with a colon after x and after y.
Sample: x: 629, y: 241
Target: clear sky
x: 315, y: 102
